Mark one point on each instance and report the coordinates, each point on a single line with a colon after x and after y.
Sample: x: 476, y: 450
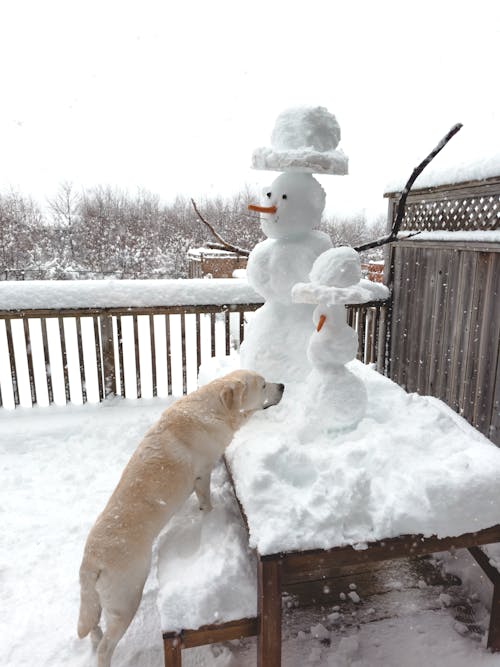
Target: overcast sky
x: 174, y: 96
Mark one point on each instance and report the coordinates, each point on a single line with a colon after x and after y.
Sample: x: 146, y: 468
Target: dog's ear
x: 232, y: 395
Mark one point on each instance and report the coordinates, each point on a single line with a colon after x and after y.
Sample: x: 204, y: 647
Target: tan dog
x: 175, y: 457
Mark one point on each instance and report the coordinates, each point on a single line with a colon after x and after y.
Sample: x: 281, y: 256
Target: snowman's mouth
x: 262, y: 209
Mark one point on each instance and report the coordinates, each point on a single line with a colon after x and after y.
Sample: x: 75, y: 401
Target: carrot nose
x: 322, y: 320
x: 262, y: 209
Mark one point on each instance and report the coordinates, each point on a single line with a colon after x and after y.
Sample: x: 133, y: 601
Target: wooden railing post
x: 108, y: 355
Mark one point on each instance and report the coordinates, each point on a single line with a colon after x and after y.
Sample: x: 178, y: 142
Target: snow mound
x: 206, y: 572
x: 410, y: 466
x: 303, y: 139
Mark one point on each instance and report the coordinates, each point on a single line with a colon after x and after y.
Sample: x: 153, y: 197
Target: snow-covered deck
x: 60, y: 465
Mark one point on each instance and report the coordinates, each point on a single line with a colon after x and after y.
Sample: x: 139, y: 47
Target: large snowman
x: 304, y: 141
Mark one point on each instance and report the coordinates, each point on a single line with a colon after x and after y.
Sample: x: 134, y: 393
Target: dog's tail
x: 90, y: 605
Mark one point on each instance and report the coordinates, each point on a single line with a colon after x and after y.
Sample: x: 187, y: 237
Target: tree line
x: 105, y: 232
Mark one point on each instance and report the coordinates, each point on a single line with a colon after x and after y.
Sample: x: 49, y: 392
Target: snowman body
x: 336, y: 397
x: 276, y: 338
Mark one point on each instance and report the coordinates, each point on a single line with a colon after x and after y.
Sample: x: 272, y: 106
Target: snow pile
x: 32, y: 294
x: 59, y: 467
x: 411, y: 465
x: 206, y: 572
x: 304, y: 139
x: 473, y: 154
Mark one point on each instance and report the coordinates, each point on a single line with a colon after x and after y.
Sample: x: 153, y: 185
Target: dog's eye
x: 268, y: 194
x: 285, y: 197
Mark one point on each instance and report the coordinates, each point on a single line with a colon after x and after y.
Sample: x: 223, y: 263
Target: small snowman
x: 336, y: 398
x: 304, y: 141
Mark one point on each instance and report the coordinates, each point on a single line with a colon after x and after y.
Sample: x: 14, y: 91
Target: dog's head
x: 247, y: 391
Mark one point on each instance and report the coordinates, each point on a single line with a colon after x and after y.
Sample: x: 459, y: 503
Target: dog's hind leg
x: 120, y: 596
x: 116, y: 626
x: 202, y: 490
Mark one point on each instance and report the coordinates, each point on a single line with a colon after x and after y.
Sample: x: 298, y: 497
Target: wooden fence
x: 445, y: 315
x: 76, y: 355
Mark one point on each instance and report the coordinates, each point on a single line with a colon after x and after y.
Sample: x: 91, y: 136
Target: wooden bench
x: 278, y: 572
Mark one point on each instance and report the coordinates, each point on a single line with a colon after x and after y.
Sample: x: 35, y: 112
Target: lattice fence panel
x: 454, y: 213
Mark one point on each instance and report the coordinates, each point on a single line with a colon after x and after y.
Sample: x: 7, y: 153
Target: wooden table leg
x: 494, y: 576
x: 172, y: 649
x: 269, y: 610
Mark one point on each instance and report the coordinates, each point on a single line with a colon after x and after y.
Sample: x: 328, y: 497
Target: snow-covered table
x: 412, y: 478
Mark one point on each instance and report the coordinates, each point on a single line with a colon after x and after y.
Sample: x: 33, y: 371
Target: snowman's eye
x: 284, y: 197
x: 268, y: 194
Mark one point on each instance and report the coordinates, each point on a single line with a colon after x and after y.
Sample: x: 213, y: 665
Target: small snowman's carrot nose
x: 322, y: 320
x: 262, y: 209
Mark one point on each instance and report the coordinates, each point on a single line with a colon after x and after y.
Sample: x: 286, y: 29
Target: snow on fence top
x: 468, y: 157
x: 59, y: 294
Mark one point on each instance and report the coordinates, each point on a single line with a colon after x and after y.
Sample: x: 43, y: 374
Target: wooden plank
x: 438, y: 317
x: 81, y: 360
x: 396, y: 339
x: 29, y: 357
x: 212, y: 334
x: 137, y: 357
x: 172, y: 651
x: 227, y: 332
x: 46, y: 355
x: 488, y: 353
x: 108, y: 354
x: 269, y: 613
x: 461, y: 329
x: 121, y: 368
x: 198, y: 342
x: 425, y: 322
x: 13, y: 364
x: 183, y: 353
x: 64, y: 358
x: 220, y: 632
x: 98, y: 356
x: 494, y: 576
x: 242, y: 327
x: 169, y: 354
x: 361, y: 333
x: 312, y: 565
x: 129, y: 310
x: 153, y: 354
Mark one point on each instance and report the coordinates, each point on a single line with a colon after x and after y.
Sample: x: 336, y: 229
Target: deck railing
x: 75, y: 355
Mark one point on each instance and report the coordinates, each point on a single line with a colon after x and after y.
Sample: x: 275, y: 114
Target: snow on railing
x: 78, y: 341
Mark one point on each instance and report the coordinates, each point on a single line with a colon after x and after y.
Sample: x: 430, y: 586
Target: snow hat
x: 304, y: 139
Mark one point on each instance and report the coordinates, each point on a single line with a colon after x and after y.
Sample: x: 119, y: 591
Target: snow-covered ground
x: 59, y: 466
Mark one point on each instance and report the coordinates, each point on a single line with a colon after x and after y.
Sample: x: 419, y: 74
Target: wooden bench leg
x: 269, y: 611
x: 172, y: 649
x: 494, y: 576
x: 494, y: 630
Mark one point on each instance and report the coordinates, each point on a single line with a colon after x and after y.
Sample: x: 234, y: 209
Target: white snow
x: 481, y: 236
x: 32, y: 294
x: 472, y: 154
x: 206, y: 571
x: 341, y: 487
x: 304, y: 139
x: 59, y: 466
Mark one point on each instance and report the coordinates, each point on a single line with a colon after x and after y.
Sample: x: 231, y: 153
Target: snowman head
x: 293, y: 205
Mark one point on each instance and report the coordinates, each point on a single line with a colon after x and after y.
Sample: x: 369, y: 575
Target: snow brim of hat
x: 361, y: 292
x: 305, y: 160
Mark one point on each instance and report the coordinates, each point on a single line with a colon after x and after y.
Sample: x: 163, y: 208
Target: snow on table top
x: 33, y: 294
x: 206, y: 571
x: 411, y: 466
